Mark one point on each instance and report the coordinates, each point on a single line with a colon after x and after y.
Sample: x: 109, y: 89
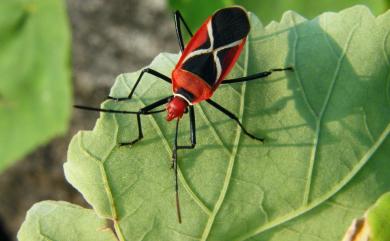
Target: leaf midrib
x: 232, y: 160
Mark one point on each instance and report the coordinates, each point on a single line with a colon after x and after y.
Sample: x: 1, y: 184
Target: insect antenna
x: 174, y: 160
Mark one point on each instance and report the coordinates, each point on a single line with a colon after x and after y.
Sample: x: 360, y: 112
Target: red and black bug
x: 204, y: 63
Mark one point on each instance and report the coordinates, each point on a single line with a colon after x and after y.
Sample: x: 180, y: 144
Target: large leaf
x: 195, y: 12
x: 44, y: 221
x: 324, y: 161
x: 34, y: 75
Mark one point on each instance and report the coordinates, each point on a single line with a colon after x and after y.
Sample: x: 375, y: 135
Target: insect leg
x: 140, y: 133
x: 192, y: 130
x: 147, y: 110
x: 192, y: 127
x: 146, y: 70
x: 254, y: 76
x: 177, y: 18
x: 174, y: 154
x: 233, y: 117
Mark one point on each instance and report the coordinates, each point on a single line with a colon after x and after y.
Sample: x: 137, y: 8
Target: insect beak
x: 170, y: 116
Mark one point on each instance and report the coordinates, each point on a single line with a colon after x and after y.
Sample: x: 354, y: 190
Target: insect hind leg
x: 256, y: 76
x: 233, y: 117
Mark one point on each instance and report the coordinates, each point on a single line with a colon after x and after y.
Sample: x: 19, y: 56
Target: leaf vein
x: 388, y: 65
x: 232, y: 160
x: 366, y: 126
x: 297, y: 76
x: 213, y: 130
x: 314, y: 151
x: 106, y: 184
x: 281, y: 220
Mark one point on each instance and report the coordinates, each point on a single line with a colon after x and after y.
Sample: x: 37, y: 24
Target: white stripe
x: 211, y: 50
x: 228, y: 45
x: 203, y: 51
x: 183, y: 97
x: 216, y: 59
x: 210, y: 33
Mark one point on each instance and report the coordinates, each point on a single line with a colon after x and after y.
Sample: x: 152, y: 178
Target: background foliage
x: 378, y: 217
x: 269, y: 10
x: 35, y: 86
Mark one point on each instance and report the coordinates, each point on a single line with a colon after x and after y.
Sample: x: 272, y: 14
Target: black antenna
x: 174, y: 160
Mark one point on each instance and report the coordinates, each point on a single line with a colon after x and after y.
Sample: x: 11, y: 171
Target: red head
x: 176, y: 108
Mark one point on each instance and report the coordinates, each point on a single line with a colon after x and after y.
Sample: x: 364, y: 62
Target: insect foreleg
x: 147, y: 110
x: 177, y: 18
x: 146, y: 70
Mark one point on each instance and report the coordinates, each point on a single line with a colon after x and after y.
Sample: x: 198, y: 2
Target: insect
x: 204, y: 64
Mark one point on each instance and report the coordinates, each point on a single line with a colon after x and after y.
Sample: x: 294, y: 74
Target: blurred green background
x: 270, y: 10
x: 38, y: 40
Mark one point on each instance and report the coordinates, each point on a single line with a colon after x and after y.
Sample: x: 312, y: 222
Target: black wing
x: 203, y: 66
x: 229, y: 25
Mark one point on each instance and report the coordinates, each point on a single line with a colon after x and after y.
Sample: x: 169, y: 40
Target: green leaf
x: 50, y: 220
x: 195, y: 12
x: 379, y: 219
x: 35, y: 75
x: 324, y: 161
x: 375, y: 225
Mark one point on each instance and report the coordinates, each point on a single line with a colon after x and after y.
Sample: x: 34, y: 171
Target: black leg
x: 233, y: 117
x: 192, y: 127
x: 144, y: 111
x: 140, y: 133
x: 146, y: 70
x: 254, y: 76
x: 178, y: 17
x: 104, y: 110
x: 192, y: 130
x: 174, y: 154
x: 147, y: 110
